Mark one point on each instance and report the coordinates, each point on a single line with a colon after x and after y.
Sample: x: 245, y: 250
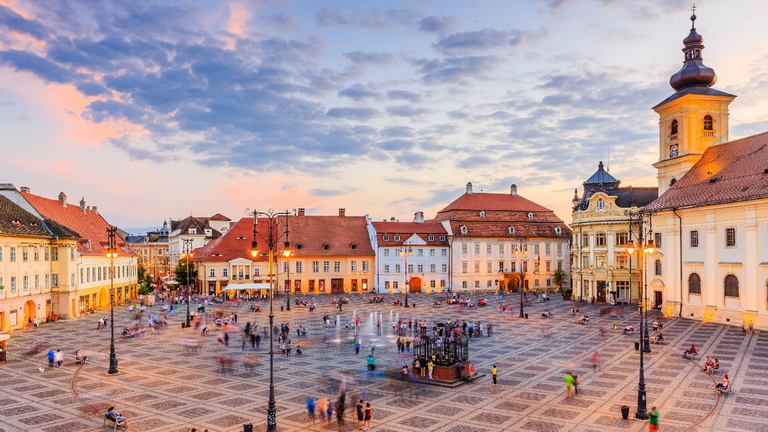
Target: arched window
x: 731, y: 285
x: 600, y: 204
x: 511, y: 229
x: 463, y: 229
x: 658, y: 267
x: 694, y: 284
x: 673, y: 128
x: 672, y: 182
x: 708, y: 124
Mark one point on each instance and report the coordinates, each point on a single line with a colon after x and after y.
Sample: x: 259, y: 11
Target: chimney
x: 82, y: 204
x: 342, y: 212
x: 418, y: 216
x: 24, y: 189
x: 62, y: 199
x: 301, y: 212
x: 513, y: 190
x: 469, y: 188
x: 93, y: 208
x: 392, y: 219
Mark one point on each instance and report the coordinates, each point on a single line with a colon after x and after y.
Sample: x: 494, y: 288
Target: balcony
x: 708, y: 133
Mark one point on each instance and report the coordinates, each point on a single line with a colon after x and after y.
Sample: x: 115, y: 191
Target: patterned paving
x: 164, y: 387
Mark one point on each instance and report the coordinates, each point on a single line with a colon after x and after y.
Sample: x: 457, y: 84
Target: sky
x: 157, y: 109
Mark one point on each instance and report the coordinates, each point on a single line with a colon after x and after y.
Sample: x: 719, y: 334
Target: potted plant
x: 567, y: 294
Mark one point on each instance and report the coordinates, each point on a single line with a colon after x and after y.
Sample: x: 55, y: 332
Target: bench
x: 115, y: 422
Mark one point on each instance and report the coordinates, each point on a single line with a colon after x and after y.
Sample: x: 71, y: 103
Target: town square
x: 455, y: 215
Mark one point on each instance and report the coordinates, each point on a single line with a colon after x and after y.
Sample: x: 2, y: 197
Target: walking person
x: 430, y: 368
x: 494, y: 371
x: 595, y: 361
x: 58, y: 357
x: 569, y: 379
x: 360, y: 409
x: 368, y: 415
x: 653, y: 420
x: 311, y: 408
x: 51, y: 357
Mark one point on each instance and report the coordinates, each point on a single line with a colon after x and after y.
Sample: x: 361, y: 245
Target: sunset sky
x: 161, y: 109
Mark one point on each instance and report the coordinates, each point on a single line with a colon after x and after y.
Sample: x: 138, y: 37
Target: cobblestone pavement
x: 163, y: 387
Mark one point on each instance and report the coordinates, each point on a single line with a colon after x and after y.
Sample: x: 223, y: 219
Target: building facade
x: 194, y: 232
x: 152, y: 252
x: 601, y: 267
x: 503, y: 242
x: 713, y: 214
x: 412, y: 256
x: 36, y: 263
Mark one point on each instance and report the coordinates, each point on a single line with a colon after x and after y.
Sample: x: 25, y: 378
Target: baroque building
x: 152, y: 250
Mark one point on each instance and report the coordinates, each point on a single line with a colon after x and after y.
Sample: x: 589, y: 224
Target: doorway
x: 337, y: 286
x: 415, y: 285
x: 657, y: 299
x: 600, y: 285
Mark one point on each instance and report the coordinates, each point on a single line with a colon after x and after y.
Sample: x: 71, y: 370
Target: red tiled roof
x: 307, y: 234
x: 739, y: 172
x: 89, y: 224
x: 406, y: 229
x: 219, y: 217
x: 500, y: 229
x: 493, y: 201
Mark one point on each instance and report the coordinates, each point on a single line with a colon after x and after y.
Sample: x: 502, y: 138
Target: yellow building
x: 37, y: 263
x: 330, y: 254
x: 713, y: 213
x: 601, y: 267
x: 152, y: 252
x: 88, y: 285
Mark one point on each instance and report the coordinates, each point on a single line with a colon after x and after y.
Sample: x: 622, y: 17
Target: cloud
x: 352, y: 113
x: 486, y: 39
x: 404, y: 95
x: 369, y: 58
x: 328, y: 192
x: 456, y: 70
x: 15, y: 22
x: 433, y: 24
x: 406, y: 111
x: 398, y: 131
x: 359, y: 93
x: 365, y: 17
x: 25, y: 61
x: 475, y: 161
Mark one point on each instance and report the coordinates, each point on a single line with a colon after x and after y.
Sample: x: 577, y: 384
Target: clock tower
x: 692, y: 119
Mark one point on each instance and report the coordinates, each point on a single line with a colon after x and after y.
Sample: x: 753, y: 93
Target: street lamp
x: 645, y: 247
x: 522, y: 282
x: 112, y: 254
x: 187, y: 254
x: 287, y: 252
x: 405, y: 252
x: 272, y: 239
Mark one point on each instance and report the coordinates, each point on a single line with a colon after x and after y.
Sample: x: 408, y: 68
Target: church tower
x: 692, y: 119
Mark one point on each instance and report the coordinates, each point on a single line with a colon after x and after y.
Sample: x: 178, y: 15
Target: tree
x: 181, y: 272
x: 142, y: 272
x: 558, y: 277
x: 146, y: 287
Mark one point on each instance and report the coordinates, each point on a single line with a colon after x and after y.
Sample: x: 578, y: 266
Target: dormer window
x: 442, y: 238
x: 558, y: 230
x: 463, y: 229
x: 708, y: 123
x: 530, y: 215
x: 397, y: 238
x: 482, y: 213
x: 511, y: 230
x: 385, y: 238
x: 600, y: 204
x: 431, y: 238
x: 325, y: 246
x: 673, y: 129
x: 193, y: 230
x: 353, y: 245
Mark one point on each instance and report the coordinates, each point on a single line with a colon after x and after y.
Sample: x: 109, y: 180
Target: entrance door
x: 337, y: 286
x: 657, y: 299
x: 415, y: 285
x: 600, y: 291
x: 526, y: 284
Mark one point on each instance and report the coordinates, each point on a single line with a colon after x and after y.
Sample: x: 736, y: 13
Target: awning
x: 171, y: 283
x: 244, y: 286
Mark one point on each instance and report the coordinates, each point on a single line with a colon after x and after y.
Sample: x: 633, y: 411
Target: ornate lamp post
x: 112, y: 254
x: 287, y: 252
x: 187, y: 254
x: 272, y: 238
x: 522, y: 279
x: 645, y: 247
x: 405, y: 252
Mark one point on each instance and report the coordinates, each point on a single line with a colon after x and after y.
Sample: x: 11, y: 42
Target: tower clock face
x: 673, y: 150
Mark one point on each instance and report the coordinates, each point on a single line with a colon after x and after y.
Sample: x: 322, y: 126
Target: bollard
x: 526, y: 316
x: 624, y: 412
x: 637, y: 346
x: 248, y: 427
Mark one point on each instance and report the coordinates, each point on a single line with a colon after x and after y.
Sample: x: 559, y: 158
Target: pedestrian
x: 51, y: 357
x: 751, y: 327
x: 493, y: 374
x: 58, y: 357
x: 569, y: 385
x: 258, y: 340
x: 490, y: 329
x: 430, y: 368
x: 357, y: 346
x: 575, y: 383
x: 360, y: 409
x: 368, y: 415
x: 653, y: 420
x: 340, y: 410
x: 595, y: 361
x: 226, y: 339
x: 244, y: 341
x: 311, y: 408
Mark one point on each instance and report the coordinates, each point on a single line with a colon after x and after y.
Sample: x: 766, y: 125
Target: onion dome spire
x: 693, y: 72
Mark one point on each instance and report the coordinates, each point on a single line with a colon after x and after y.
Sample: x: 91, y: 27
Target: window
x: 326, y: 266
x: 315, y: 266
x: 622, y: 289
x: 24, y: 253
x: 464, y: 248
x: 657, y: 240
x: 600, y: 261
x: 477, y: 284
x: 394, y: 285
x: 46, y: 254
x: 300, y: 267
x: 353, y: 266
x: 385, y: 238
x: 559, y: 248
x: 48, y: 281
x: 708, y: 122
x: 286, y: 267
x: 71, y: 254
x: 386, y: 252
x: 397, y: 268
x: 585, y: 261
x: 488, y: 249
x: 397, y: 238
x: 477, y: 248
x: 463, y: 284
x: 482, y: 214
x: 525, y: 266
x: 530, y: 215
x: 673, y: 129
x: 513, y: 266
x: 386, y: 285
x: 621, y: 261
x: 490, y: 283
x: 13, y: 253
x: 54, y: 253
x: 410, y: 268
x: 621, y: 239
x: 477, y: 267
x: 657, y: 268
x: 444, y: 268
x: 431, y: 252
x: 694, y: 284
x: 549, y: 266
x: 558, y: 230
x: 386, y: 268
x: 464, y: 267
x: 489, y: 268
x: 55, y: 280
x: 559, y: 265
x: 536, y: 249
x: 365, y: 266
x: 420, y: 268
x: 730, y: 237
x: 212, y: 273
x: 585, y: 240
x: 694, y: 238
x: 419, y: 252
x: 337, y: 266
x: 432, y: 268
x: 444, y: 252
x: 37, y: 281
x: 442, y: 238
x: 600, y: 239
x: 1, y: 252
x: 25, y: 283
x: 731, y: 284
x: 225, y: 272
x: 548, y: 248
x: 13, y: 284
x: 501, y: 266
x: 511, y: 230
x: 431, y: 238
x: 442, y: 283
x: 431, y: 284
x: 600, y: 204
x: 82, y: 275
x: 463, y: 229
x: 501, y: 249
